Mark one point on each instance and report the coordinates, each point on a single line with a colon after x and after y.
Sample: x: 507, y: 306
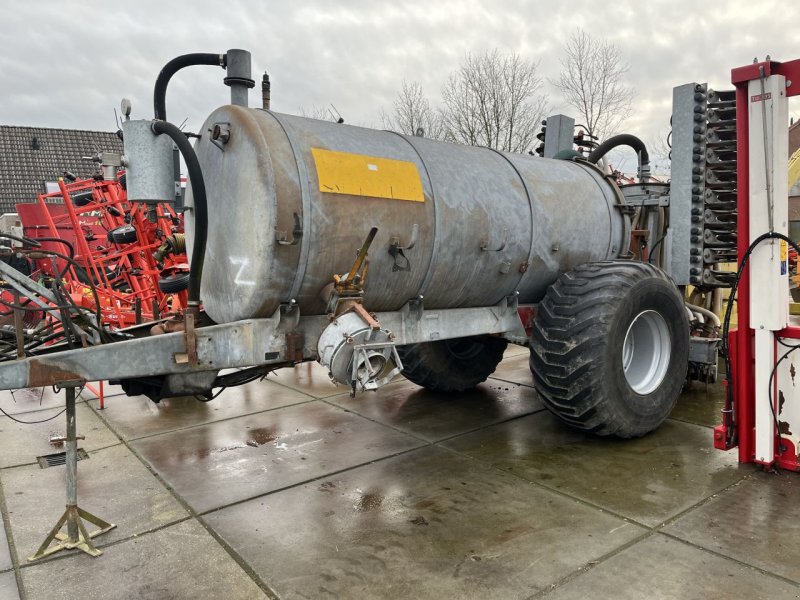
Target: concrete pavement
x: 289, y: 488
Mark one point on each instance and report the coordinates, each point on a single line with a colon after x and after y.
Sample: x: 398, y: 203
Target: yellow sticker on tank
x: 360, y: 175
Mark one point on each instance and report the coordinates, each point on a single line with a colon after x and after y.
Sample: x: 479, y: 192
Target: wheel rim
x: 646, y: 352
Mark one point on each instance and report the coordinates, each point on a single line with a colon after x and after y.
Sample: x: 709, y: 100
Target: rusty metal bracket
x: 295, y: 341
x: 639, y: 239
x: 367, y: 317
x: 354, y: 305
x: 190, y: 335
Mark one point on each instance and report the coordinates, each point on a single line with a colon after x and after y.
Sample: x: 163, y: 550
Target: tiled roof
x: 31, y: 156
x: 794, y: 137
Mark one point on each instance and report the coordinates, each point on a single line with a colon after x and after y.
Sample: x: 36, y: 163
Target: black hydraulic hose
x: 172, y: 67
x: 726, y: 321
x: 624, y: 139
x: 200, y: 205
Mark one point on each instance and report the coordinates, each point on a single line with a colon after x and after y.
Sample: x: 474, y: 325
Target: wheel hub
x: 646, y: 352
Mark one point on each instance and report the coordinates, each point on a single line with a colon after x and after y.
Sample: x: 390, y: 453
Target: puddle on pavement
x: 700, y: 403
x: 260, y: 436
x: 368, y: 501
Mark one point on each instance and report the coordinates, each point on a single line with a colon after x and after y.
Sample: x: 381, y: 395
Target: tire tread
x: 431, y: 364
x: 564, y: 345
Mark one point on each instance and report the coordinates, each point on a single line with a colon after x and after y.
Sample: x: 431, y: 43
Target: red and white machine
x: 765, y: 415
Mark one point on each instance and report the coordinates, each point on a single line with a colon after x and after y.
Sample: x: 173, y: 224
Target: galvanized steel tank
x: 488, y: 223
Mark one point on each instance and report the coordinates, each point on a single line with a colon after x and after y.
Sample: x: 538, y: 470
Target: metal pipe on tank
x: 239, y: 77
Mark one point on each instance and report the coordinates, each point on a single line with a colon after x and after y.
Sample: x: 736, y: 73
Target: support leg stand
x: 76, y: 536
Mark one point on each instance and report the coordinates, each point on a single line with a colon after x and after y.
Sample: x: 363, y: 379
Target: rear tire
x: 610, y: 348
x: 452, y: 365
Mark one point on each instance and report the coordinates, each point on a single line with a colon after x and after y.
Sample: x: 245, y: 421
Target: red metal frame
x: 741, y: 341
x: 527, y: 313
x: 137, y: 294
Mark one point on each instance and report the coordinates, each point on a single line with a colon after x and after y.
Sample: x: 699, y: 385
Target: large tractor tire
x: 452, y: 365
x: 610, y: 348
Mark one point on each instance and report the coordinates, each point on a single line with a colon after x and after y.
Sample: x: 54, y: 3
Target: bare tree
x: 592, y: 82
x: 320, y: 113
x: 494, y: 100
x: 412, y: 113
x: 660, y: 152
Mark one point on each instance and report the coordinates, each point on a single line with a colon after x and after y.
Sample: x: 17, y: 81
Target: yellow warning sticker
x: 360, y: 175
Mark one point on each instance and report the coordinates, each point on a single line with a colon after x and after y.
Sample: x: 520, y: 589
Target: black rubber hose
x: 200, y: 205
x: 172, y: 67
x: 624, y: 139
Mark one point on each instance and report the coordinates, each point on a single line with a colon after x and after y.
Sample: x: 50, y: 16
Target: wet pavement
x: 289, y: 488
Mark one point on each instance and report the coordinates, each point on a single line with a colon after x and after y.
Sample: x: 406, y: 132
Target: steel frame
x: 247, y: 343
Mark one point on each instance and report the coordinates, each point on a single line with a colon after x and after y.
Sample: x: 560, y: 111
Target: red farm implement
x: 129, y: 257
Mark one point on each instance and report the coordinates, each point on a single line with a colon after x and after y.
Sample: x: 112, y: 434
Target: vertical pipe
x: 18, y: 325
x: 266, y: 91
x: 716, y: 301
x: 743, y: 380
x: 71, y: 463
x: 239, y: 78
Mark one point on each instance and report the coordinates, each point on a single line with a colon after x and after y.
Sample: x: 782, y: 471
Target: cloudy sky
x: 68, y: 64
